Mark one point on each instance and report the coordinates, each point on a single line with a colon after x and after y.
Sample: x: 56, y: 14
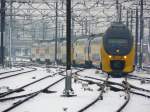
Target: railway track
x: 100, y: 97
x: 110, y: 84
x: 124, y: 86
x: 1, y: 73
x: 16, y: 74
x: 99, y: 82
x: 127, y: 97
x: 26, y: 85
x: 29, y: 95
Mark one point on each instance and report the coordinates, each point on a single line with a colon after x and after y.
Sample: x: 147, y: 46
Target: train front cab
x: 118, y: 64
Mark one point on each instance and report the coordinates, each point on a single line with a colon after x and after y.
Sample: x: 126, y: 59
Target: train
x: 85, y: 51
x: 118, y: 50
x: 113, y: 52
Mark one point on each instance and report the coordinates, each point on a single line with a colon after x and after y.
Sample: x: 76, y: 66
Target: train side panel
x: 63, y: 52
x: 79, y: 52
x: 95, y: 51
x: 52, y: 52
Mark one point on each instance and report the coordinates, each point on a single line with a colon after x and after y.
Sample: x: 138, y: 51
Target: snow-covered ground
x: 7, y: 69
x: 55, y: 102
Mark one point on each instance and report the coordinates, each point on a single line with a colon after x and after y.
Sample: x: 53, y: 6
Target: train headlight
x: 125, y: 57
x: 110, y: 56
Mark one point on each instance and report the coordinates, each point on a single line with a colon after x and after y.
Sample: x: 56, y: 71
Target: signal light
x: 117, y: 50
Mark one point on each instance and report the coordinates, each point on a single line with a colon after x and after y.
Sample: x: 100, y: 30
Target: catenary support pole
x: 68, y: 80
x: 149, y: 33
x: 2, y: 30
x: 10, y: 35
x: 117, y: 9
x: 56, y: 31
x: 131, y: 21
x: 120, y: 13
x: 136, y: 37
x: 141, y: 34
x: 127, y: 21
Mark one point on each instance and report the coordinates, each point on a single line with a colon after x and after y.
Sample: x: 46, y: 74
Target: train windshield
x: 117, y: 41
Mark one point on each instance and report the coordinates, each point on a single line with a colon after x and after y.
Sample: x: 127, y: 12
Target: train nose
x: 117, y: 64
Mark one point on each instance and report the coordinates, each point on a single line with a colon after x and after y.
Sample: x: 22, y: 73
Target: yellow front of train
x: 118, y: 50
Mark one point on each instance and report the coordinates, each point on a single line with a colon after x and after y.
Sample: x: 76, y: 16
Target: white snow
x: 55, y: 102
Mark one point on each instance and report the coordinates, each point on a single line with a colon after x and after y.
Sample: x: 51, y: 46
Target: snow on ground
x: 7, y: 69
x: 55, y: 102
x: 138, y: 104
x: 22, y: 79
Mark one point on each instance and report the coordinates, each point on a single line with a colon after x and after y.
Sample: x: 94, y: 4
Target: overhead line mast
x: 68, y: 81
x: 2, y: 30
x: 56, y: 32
x: 141, y: 34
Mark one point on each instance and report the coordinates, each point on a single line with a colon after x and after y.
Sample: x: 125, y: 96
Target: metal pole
x: 72, y: 29
x: 117, y: 8
x: 62, y: 31
x: 56, y: 33
x: 68, y: 34
x: 127, y: 21
x: 89, y: 27
x: 131, y: 21
x: 68, y: 82
x: 141, y: 34
x: 2, y: 30
x: 136, y: 35
x: 82, y: 28
x: 149, y: 32
x: 120, y: 13
x: 86, y: 30
x: 43, y: 32
x: 149, y: 41
x: 10, y: 34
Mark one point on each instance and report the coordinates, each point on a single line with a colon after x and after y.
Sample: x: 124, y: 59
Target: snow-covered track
x: 100, y: 96
x: 27, y: 85
x: 31, y: 96
x: 106, y: 83
x: 139, y: 78
x: 11, y: 71
x: 34, y: 94
x: 127, y: 97
x: 16, y: 74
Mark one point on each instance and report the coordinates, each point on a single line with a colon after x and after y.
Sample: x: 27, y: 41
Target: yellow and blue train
x: 118, y: 51
x: 114, y: 52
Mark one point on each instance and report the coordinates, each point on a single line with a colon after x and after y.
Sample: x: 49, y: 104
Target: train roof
x: 117, y: 29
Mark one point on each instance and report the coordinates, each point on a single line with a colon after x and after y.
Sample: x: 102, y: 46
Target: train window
x: 117, y: 41
x: 46, y: 50
x: 80, y: 57
x: 37, y: 51
x: 96, y: 57
x: 85, y: 49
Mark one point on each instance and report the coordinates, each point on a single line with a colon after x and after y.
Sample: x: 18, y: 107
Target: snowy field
x: 55, y: 102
